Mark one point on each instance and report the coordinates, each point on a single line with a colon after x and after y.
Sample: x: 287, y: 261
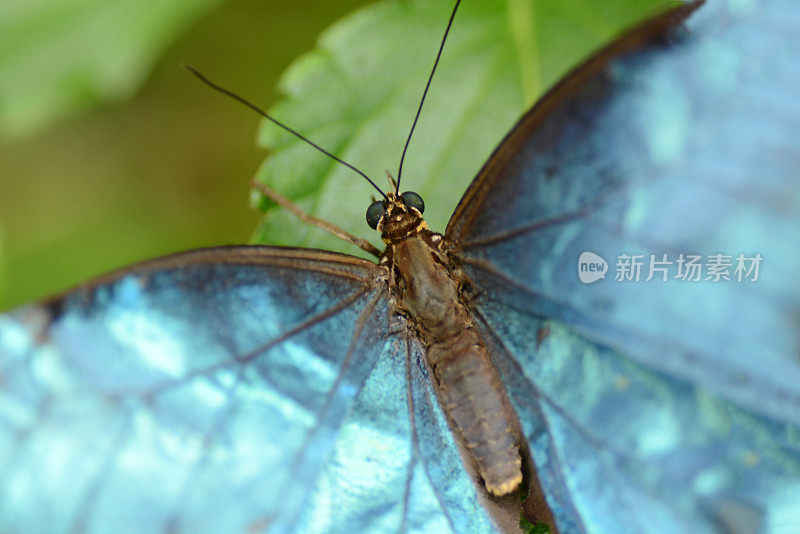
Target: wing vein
x: 414, y: 440
x: 251, y: 355
x: 335, y: 389
x: 594, y: 204
x: 81, y: 522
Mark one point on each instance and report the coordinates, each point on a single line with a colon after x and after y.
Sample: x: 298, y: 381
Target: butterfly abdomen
x: 468, y: 386
x: 475, y: 401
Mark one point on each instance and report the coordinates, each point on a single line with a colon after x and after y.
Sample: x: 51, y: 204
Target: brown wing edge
x: 348, y: 267
x: 651, y: 30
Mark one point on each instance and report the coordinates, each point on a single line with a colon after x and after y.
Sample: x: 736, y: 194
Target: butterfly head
x: 397, y: 216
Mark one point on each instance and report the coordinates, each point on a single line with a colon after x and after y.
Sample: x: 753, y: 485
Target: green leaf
x: 534, y: 528
x: 357, y: 93
x: 58, y: 57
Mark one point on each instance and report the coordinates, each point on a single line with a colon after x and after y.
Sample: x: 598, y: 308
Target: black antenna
x: 424, y: 94
x: 278, y: 123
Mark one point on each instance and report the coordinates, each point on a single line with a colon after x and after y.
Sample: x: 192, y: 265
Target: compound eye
x: 413, y: 200
x: 374, y: 213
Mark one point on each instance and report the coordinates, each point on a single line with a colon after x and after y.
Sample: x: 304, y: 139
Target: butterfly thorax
x: 426, y: 288
x: 425, y: 285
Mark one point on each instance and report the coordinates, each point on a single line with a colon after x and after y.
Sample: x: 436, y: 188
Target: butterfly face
x: 397, y: 217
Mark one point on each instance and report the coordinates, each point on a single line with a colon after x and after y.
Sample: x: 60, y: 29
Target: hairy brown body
x: 427, y: 290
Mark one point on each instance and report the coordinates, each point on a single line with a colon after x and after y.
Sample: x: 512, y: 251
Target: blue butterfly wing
x: 681, y: 146
x: 620, y: 447
x: 239, y: 389
x: 653, y: 406
x: 392, y: 472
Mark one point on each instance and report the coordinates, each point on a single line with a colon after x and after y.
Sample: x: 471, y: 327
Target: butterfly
x: 277, y: 389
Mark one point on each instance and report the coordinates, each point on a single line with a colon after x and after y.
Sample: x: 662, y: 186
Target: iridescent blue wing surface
x: 391, y: 472
x: 238, y: 389
x: 658, y: 403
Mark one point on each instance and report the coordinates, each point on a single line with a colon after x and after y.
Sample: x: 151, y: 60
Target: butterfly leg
x: 284, y: 202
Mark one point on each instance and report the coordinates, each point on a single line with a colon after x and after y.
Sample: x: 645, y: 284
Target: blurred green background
x: 110, y: 153
x: 167, y: 170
